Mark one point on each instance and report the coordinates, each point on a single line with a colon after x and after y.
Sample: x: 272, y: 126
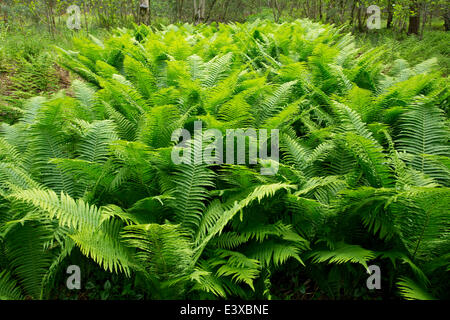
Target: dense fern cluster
x: 363, y: 176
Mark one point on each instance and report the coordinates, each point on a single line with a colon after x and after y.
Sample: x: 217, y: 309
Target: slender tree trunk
x: 225, y: 11
x: 199, y: 11
x: 276, y: 9
x: 178, y: 10
x: 144, y: 11
x: 414, y: 18
x: 424, y: 19
x: 390, y: 14
x: 86, y: 22
x: 343, y: 7
x: 352, y: 18
x: 210, y: 10
x: 307, y: 9
x: 320, y: 10
x: 447, y: 18
x: 50, y: 17
x: 360, y: 25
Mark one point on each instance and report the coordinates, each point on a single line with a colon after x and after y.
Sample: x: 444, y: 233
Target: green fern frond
x: 164, y: 251
x: 343, y: 253
x: 68, y: 212
x: 412, y: 291
x: 9, y: 289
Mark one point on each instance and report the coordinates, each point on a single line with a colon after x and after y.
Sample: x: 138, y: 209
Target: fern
x: 344, y: 253
x: 87, y: 177
x: 412, y: 291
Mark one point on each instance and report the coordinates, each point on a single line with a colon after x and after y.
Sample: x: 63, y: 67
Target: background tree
x: 144, y: 11
x: 414, y: 17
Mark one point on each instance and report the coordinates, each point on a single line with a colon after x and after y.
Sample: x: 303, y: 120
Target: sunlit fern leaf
x: 14, y: 176
x: 140, y: 76
x: 236, y: 265
x: 216, y: 69
x: 412, y: 291
x: 367, y: 70
x: 94, y: 145
x: 369, y: 154
x: 343, y: 253
x: 221, y: 92
x: 236, y: 111
x: 259, y: 233
x: 46, y: 146
x: 441, y: 166
x: 257, y: 193
x: 273, y: 252
x: 295, y: 71
x: 103, y: 245
x: 68, y: 212
x: 323, y: 189
x: 423, y: 133
x: 84, y: 93
x: 16, y: 135
x: 156, y: 126
x: 74, y: 61
x: 351, y: 121
x: 211, y: 215
x: 425, y: 66
x: 309, y: 215
x: 127, y: 100
x: 206, y: 281
x: 46, y: 142
x: 192, y: 181
x: 285, y: 117
x: 274, y: 102
x: 90, y: 177
x: 125, y: 128
x: 295, y: 154
x: 32, y: 107
x: 196, y: 66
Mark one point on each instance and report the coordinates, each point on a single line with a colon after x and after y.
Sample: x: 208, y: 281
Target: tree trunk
x: 424, y: 19
x: 199, y: 11
x: 360, y: 24
x: 178, y: 10
x: 414, y: 18
x: 447, y: 19
x: 86, y: 23
x: 210, y: 11
x: 352, y: 14
x: 390, y: 14
x: 276, y: 9
x: 144, y: 11
x: 225, y: 11
x: 320, y: 10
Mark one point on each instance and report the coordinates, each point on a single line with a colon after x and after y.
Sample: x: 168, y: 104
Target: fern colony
x: 363, y: 178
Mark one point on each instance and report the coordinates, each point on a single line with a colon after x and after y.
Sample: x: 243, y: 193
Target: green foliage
x: 363, y: 173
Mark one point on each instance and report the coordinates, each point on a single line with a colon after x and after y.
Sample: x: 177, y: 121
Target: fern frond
x: 343, y: 253
x: 9, y: 289
x: 412, y: 291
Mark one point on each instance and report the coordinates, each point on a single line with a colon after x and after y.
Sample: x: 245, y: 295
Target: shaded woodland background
x: 409, y: 16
